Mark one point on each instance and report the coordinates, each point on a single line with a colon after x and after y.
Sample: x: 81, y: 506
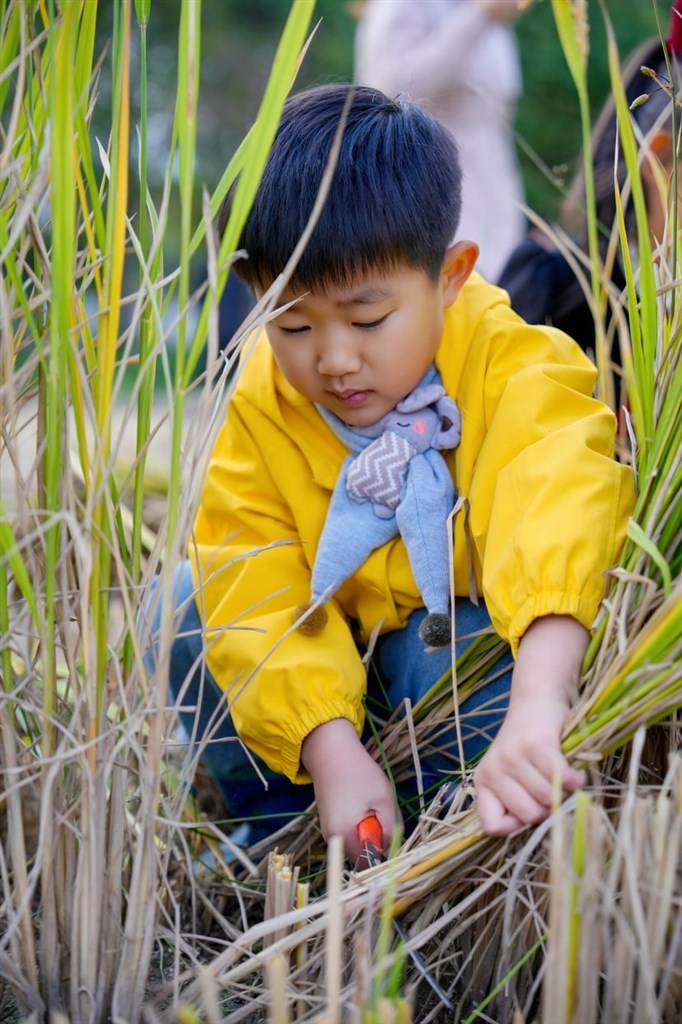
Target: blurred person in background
x: 459, y: 60
x: 542, y: 285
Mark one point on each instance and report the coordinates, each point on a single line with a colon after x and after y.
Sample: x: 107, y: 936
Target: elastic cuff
x: 290, y: 752
x: 553, y: 603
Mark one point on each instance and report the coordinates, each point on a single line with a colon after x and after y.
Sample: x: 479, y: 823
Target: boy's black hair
x: 394, y: 200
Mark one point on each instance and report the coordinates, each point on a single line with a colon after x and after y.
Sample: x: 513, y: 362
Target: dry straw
x: 85, y: 305
x: 102, y: 913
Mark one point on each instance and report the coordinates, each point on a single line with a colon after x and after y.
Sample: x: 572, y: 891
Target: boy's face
x: 359, y: 350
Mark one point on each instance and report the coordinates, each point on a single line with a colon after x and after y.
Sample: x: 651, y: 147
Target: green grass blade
x: 255, y: 154
x: 644, y: 337
x: 62, y: 42
x: 637, y: 534
x: 9, y: 549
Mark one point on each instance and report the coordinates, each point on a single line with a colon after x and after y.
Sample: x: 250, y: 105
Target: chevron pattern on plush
x: 378, y: 473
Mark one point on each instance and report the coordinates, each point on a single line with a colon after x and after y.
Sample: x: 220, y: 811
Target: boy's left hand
x: 516, y: 780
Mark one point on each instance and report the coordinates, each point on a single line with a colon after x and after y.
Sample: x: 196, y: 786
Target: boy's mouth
x: 351, y: 399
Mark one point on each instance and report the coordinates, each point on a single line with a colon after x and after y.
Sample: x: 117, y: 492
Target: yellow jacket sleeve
x: 549, y: 505
x: 251, y: 571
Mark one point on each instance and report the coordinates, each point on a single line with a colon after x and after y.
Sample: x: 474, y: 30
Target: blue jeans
x: 401, y: 669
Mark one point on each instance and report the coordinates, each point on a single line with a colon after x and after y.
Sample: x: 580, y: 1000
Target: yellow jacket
x: 547, y: 514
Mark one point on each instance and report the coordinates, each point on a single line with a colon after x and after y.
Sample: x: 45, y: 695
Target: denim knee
x: 407, y: 670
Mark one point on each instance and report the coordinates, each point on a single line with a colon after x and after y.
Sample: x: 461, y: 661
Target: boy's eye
x: 295, y: 330
x: 371, y: 324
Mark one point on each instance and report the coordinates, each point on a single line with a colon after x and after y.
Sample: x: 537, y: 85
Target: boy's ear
x: 460, y: 260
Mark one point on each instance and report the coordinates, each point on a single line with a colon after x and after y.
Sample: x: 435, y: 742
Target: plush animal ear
x: 451, y: 424
x: 422, y: 396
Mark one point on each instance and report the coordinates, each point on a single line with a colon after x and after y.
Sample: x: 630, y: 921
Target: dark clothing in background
x: 544, y: 290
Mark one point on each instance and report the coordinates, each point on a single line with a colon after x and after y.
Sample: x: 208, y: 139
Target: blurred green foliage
x: 238, y: 44
x: 548, y: 120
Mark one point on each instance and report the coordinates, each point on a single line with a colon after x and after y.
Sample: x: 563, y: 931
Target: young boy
x: 380, y: 295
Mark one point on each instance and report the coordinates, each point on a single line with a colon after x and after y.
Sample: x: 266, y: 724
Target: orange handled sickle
x: 371, y: 837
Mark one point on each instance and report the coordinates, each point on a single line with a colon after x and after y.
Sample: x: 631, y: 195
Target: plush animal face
x: 427, y: 418
x: 421, y: 428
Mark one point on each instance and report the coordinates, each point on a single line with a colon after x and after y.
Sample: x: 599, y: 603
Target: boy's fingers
x: 518, y: 800
x: 574, y: 779
x: 512, y: 804
x: 496, y: 821
x: 555, y: 767
x: 530, y: 780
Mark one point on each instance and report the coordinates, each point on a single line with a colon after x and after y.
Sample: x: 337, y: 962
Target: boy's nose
x: 339, y: 357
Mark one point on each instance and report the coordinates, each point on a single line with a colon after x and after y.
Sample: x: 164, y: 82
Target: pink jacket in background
x: 464, y: 69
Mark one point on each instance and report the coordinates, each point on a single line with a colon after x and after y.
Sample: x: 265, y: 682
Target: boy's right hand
x: 349, y: 784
